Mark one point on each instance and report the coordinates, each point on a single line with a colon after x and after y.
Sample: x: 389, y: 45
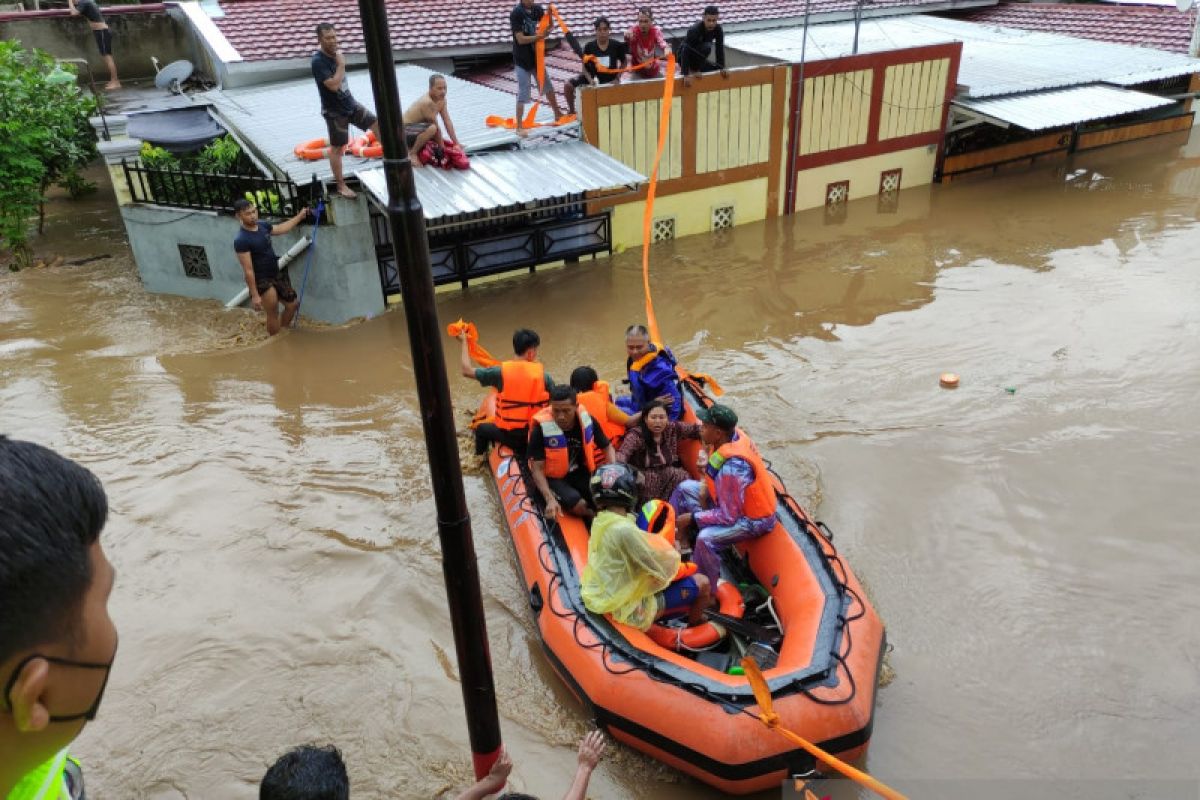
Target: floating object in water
x: 948, y: 380
x: 1010, y: 389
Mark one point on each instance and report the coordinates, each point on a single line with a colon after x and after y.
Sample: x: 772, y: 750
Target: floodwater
x: 1029, y: 538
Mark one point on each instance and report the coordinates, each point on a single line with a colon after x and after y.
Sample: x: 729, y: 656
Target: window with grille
x: 195, y: 261
x: 663, y: 229
x: 837, y: 201
x: 722, y: 217
x: 889, y: 191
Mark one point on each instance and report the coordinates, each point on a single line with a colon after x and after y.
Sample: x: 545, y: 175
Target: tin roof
x: 1059, y: 108
x: 264, y: 30
x: 273, y: 118
x: 1162, y: 28
x: 995, y: 61
x: 511, y: 180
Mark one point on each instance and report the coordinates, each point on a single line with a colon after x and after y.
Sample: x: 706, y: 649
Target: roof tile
x: 1156, y: 27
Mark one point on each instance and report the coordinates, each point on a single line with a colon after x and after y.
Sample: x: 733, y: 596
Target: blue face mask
x: 88, y: 715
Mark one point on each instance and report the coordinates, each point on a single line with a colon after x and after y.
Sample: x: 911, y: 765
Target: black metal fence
x: 210, y: 191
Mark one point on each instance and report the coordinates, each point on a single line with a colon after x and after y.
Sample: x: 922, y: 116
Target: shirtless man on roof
x: 421, y: 118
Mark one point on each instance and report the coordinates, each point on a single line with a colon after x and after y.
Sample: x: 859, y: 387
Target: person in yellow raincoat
x: 635, y: 575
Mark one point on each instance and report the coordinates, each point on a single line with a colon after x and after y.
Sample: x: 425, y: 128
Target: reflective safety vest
x: 759, y: 499
x: 522, y: 393
x: 596, y: 400
x: 50, y: 781
x: 558, y: 460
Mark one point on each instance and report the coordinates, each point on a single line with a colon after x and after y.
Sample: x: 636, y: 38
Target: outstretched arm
x: 284, y: 227
x: 591, y: 750
x: 491, y: 783
x: 464, y: 361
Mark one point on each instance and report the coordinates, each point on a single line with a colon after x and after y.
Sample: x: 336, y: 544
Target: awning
x: 512, y: 180
x: 180, y: 130
x: 1058, y: 108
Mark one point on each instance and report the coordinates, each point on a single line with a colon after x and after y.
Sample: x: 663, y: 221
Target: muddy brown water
x: 1033, y: 553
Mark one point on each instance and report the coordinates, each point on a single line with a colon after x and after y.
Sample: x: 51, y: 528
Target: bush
x: 222, y: 155
x: 45, y: 138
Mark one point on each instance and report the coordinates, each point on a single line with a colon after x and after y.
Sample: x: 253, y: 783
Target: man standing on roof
x: 736, y: 500
x: 338, y: 106
x: 652, y: 375
x: 421, y: 119
x: 703, y: 48
x: 524, y: 388
x: 604, y: 51
x: 565, y: 446
x: 523, y: 20
x: 101, y: 33
x: 646, y: 45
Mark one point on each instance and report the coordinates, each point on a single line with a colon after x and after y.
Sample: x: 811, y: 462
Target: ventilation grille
x: 195, y: 261
x: 722, y: 217
x: 663, y: 229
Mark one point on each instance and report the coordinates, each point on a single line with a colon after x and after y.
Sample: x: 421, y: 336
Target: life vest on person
x: 58, y: 778
x: 759, y: 499
x: 522, y: 393
x: 558, y: 460
x: 596, y: 400
x: 655, y: 369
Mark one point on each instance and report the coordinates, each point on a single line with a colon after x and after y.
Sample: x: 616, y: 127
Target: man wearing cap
x: 735, y: 501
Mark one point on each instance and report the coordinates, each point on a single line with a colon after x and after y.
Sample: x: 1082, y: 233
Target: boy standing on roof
x: 102, y: 34
x: 523, y: 20
x: 703, y: 48
x: 605, y: 52
x: 338, y: 106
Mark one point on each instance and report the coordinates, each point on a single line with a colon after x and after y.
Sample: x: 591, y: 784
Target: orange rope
x: 664, y: 126
x: 768, y: 717
x: 478, y: 354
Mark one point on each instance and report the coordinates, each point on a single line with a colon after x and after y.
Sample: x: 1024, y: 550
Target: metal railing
x: 208, y: 191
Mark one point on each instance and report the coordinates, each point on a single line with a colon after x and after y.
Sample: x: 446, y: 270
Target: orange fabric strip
x: 664, y: 125
x: 478, y: 354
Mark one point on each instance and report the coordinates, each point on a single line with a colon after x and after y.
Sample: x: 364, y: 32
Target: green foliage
x: 220, y: 156
x: 157, y: 158
x: 267, y: 202
x: 45, y: 138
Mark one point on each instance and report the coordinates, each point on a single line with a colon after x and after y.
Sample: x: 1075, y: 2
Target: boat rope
x: 768, y: 717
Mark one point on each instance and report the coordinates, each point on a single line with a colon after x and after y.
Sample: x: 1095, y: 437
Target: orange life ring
x: 312, y: 150
x: 365, y: 147
x: 706, y: 634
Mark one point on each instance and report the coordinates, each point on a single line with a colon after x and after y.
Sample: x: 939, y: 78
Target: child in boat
x: 634, y: 576
x: 652, y: 448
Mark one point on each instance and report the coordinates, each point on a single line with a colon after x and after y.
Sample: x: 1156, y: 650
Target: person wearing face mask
x: 652, y: 448
x: 57, y: 641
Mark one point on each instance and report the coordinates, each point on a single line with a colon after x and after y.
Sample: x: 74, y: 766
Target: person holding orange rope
x: 524, y: 388
x: 604, y: 52
x: 524, y: 20
x: 646, y: 44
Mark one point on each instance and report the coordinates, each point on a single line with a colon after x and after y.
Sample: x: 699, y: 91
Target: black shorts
x: 281, y: 283
x: 103, y: 39
x: 571, y: 489
x: 414, y: 129
x: 339, y: 127
x: 89, y: 10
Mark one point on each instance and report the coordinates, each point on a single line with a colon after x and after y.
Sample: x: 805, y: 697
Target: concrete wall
x: 864, y: 175
x: 693, y: 211
x: 343, y: 283
x: 136, y: 37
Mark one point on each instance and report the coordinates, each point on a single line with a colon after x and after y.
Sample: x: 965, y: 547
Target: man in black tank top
x: 90, y: 11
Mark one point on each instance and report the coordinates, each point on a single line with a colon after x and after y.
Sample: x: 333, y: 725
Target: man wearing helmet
x: 634, y: 574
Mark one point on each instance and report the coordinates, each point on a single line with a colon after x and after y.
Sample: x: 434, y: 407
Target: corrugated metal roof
x: 995, y: 61
x: 275, y: 117
x: 1061, y: 107
x: 511, y: 178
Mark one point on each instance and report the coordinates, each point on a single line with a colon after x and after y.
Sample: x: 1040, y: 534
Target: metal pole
x: 858, y: 9
x: 407, y: 225
x: 793, y: 144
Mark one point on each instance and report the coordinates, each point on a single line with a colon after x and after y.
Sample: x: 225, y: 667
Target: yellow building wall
x: 913, y: 97
x: 836, y: 111
x: 733, y: 127
x: 692, y: 210
x: 629, y: 133
x: 863, y: 174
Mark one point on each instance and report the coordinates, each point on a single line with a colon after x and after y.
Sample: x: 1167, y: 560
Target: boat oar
x: 769, y: 718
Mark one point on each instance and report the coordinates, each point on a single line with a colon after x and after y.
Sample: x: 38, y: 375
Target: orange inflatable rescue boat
x: 788, y: 600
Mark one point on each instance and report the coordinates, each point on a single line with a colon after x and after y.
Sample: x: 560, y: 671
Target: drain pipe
x: 797, y: 107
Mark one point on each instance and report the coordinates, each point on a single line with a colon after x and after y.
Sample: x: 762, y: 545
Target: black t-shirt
x: 258, y: 244
x: 526, y: 22
x: 612, y: 58
x: 89, y: 10
x: 536, y: 451
x: 694, y: 49
x: 333, y: 104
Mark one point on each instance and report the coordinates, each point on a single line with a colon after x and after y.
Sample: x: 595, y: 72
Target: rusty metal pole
x: 406, y: 222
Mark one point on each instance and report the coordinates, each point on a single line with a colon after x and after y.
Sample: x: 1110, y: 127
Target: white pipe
x: 285, y: 259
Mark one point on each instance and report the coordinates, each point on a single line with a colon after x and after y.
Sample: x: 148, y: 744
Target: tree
x: 45, y: 138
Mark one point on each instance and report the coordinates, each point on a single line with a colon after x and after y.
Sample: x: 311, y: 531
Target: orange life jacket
x: 759, y: 499
x: 523, y: 393
x: 558, y: 461
x: 596, y: 400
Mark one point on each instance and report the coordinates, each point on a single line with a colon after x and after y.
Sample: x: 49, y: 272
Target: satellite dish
x: 173, y: 75
x: 1184, y: 5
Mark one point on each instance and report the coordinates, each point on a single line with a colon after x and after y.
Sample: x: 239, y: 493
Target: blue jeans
x: 713, y: 540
